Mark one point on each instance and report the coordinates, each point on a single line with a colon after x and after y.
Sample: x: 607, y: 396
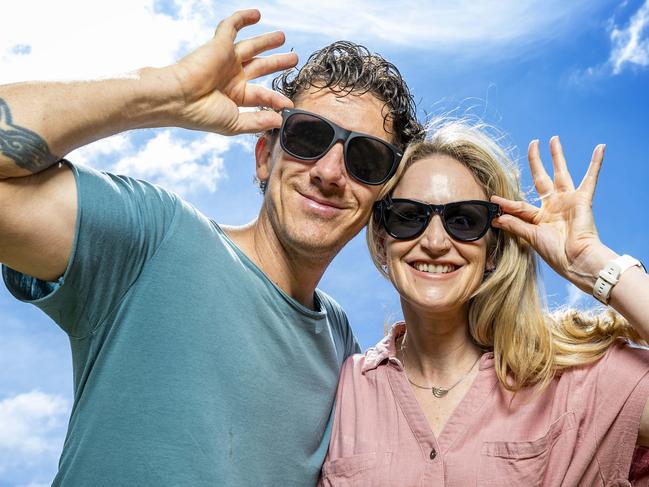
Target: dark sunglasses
x: 307, y: 136
x: 465, y: 221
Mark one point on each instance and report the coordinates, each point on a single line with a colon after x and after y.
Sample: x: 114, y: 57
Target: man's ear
x: 263, y: 157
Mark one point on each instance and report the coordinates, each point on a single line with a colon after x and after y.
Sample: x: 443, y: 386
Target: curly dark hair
x: 348, y: 68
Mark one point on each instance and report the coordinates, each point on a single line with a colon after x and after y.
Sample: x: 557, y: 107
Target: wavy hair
x: 506, y: 312
x: 346, y: 68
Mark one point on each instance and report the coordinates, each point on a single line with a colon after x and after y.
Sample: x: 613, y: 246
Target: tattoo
x: 26, y: 148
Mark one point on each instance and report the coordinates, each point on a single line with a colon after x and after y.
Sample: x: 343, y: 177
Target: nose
x: 329, y: 170
x: 435, y: 239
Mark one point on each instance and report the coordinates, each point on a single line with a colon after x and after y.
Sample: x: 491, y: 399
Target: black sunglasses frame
x: 383, y: 206
x: 344, y: 135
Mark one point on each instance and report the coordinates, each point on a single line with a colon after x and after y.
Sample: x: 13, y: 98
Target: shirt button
x: 433, y: 454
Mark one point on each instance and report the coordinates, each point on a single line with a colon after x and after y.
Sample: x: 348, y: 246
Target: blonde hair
x: 506, y: 315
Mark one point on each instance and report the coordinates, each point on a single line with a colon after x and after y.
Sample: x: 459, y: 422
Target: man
x: 202, y: 355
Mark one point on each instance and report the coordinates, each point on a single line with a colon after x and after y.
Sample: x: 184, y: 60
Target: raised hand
x: 214, y: 80
x: 562, y: 230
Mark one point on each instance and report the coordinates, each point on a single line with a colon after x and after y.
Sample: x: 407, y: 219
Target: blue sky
x: 534, y: 69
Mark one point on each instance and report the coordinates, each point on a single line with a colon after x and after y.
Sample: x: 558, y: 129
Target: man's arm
x: 41, y: 122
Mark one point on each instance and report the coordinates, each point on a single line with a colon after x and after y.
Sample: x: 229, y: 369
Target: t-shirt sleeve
x: 346, y: 343
x: 121, y: 222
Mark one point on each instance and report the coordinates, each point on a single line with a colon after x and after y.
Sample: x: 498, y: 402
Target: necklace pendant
x: 438, y: 392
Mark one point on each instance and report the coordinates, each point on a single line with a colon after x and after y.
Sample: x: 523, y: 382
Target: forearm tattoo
x: 26, y: 148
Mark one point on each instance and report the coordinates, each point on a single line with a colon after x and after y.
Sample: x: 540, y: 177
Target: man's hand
x: 214, y: 80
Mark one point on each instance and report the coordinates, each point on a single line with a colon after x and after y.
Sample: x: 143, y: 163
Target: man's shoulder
x: 331, y: 306
x: 125, y: 184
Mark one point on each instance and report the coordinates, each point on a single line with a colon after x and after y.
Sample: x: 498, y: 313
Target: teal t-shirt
x: 191, y: 368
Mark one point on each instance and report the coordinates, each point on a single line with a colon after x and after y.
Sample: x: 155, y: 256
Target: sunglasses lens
x: 466, y: 221
x: 369, y: 160
x: 405, y: 219
x: 306, y: 136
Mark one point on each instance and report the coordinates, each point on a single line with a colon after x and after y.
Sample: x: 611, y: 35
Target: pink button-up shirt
x: 581, y: 431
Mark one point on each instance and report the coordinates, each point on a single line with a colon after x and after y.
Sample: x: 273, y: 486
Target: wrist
x: 611, y: 274
x: 157, y: 100
x: 585, y: 271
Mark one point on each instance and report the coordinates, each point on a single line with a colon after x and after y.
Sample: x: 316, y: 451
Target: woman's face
x: 434, y: 273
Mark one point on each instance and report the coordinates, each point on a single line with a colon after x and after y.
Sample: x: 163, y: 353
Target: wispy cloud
x: 574, y: 296
x: 629, y: 48
x: 630, y: 44
x: 465, y: 25
x: 31, y: 427
x: 577, y: 299
x: 85, y: 38
x: 184, y: 164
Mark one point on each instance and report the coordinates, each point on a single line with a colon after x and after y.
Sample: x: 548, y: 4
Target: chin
x: 319, y: 242
x: 435, y: 303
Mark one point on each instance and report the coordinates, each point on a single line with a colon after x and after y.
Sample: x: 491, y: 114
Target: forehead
x: 355, y: 112
x: 439, y: 179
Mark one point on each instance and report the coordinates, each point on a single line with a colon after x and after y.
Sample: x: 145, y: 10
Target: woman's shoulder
x: 380, y: 354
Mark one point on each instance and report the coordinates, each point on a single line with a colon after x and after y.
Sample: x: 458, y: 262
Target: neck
x: 296, y: 271
x: 438, y: 348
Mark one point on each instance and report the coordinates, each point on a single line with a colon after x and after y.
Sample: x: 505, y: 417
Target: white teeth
x: 434, y: 269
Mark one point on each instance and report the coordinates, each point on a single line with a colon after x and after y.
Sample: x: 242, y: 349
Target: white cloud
x: 464, y: 25
x: 31, y: 427
x: 574, y: 295
x: 577, y: 299
x: 174, y: 162
x: 631, y: 43
x: 79, y: 38
x: 87, y: 38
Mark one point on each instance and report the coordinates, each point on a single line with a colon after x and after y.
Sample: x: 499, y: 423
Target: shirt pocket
x: 364, y: 469
x: 521, y: 462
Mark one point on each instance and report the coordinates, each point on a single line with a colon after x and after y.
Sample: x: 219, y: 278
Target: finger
x: 258, y: 96
x: 258, y: 67
x: 542, y: 181
x: 249, y: 48
x: 562, y: 179
x: 515, y: 226
x: 254, y: 122
x: 520, y: 209
x: 231, y: 25
x: 589, y: 182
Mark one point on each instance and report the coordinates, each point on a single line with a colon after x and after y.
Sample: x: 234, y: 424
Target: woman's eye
x: 408, y: 215
x: 460, y: 221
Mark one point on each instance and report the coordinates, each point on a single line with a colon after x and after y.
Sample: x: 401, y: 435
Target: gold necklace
x: 438, y: 392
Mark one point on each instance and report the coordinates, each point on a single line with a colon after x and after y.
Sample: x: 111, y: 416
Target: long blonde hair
x: 506, y: 313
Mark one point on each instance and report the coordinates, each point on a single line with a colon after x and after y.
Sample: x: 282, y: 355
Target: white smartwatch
x: 610, y: 275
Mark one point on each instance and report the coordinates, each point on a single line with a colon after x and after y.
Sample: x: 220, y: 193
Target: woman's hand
x: 562, y: 230
x: 212, y: 82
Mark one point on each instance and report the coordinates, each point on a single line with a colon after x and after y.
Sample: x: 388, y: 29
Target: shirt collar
x: 386, y: 349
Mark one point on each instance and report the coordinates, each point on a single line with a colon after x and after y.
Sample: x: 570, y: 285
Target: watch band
x: 610, y: 275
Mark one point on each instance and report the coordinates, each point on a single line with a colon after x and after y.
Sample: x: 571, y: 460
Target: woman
x: 479, y: 386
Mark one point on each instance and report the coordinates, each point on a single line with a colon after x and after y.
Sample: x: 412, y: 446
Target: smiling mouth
x: 322, y: 202
x: 434, y: 269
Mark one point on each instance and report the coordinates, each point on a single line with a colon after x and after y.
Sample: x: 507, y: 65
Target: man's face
x: 316, y: 207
